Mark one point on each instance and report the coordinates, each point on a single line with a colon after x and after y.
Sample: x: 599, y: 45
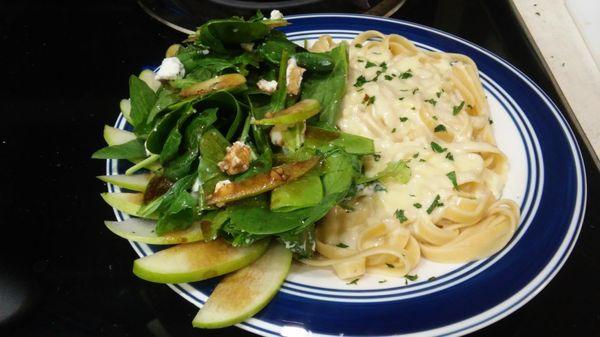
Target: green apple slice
x: 129, y: 203
x: 149, y: 77
x: 136, y: 182
x: 143, y: 231
x: 242, y: 294
x: 125, y: 106
x: 190, y: 262
x: 114, y: 136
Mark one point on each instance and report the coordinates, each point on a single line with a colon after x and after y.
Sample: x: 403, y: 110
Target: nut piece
x: 293, y: 76
x: 237, y: 159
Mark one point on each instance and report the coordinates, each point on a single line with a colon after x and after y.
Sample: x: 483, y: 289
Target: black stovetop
x: 64, y: 71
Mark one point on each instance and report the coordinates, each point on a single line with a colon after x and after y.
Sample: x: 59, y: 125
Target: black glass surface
x: 64, y: 69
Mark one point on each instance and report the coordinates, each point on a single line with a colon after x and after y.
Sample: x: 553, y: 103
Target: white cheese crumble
x: 170, y: 69
x: 276, y: 136
x: 276, y: 15
x: 267, y: 86
x: 204, y: 52
x: 222, y: 184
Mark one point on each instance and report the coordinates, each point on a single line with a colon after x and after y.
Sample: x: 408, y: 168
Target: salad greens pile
x: 185, y: 129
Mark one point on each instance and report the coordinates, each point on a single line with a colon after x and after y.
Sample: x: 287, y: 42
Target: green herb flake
x: 399, y: 214
x: 449, y: 156
x: 370, y: 64
x: 355, y: 281
x: 413, y: 108
x: 342, y: 245
x: 417, y: 205
x: 411, y: 277
x: 376, y: 157
x: 405, y: 75
x: 371, y: 100
x: 415, y: 90
x: 358, y: 45
x: 360, y: 81
x: 403, y: 119
x: 389, y: 265
x: 490, y: 121
x: 452, y: 177
x: 379, y: 188
x: 383, y: 66
x: 388, y: 77
x: 438, y: 94
x: 415, y: 155
x: 457, y: 108
x: 394, y: 130
x: 431, y: 101
x: 436, y: 203
x: 400, y: 98
x: 422, y: 160
x: 437, y: 147
x: 440, y: 128
x: 431, y: 278
x: 382, y: 281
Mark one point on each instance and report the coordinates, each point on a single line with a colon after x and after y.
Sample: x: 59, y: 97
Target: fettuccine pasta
x: 429, y: 110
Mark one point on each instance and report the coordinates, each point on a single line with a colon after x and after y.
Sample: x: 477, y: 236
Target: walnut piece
x: 293, y: 76
x: 237, y: 159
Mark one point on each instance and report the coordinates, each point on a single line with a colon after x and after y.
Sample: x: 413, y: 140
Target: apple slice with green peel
x: 244, y: 293
x: 143, y: 231
x: 136, y: 182
x: 129, y: 203
x: 114, y: 136
x: 125, y: 106
x: 190, y: 262
x: 149, y: 77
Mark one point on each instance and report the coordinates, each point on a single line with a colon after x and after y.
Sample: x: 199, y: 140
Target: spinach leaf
x: 274, y: 47
x: 304, y: 192
x: 160, y: 132
x: 179, y: 215
x: 213, y: 147
x: 329, y: 88
x: 212, y: 221
x: 133, y: 149
x: 319, y: 138
x: 171, y: 146
x: 162, y: 203
x: 301, y: 242
x: 142, y: 100
x: 217, y: 34
x: 320, y: 62
x: 165, y: 97
x: 397, y: 170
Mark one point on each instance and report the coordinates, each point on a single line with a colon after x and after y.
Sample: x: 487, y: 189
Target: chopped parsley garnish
x: 388, y: 77
x: 457, y: 108
x: 452, y: 177
x: 436, y: 203
x: 355, y: 281
x: 405, y: 90
x: 431, y: 101
x: 415, y: 90
x: 383, y: 281
x: 431, y: 278
x: 416, y: 155
x: 383, y: 66
x: 422, y: 160
x: 361, y: 60
x: 403, y: 119
x: 490, y: 121
x: 437, y: 148
x: 417, y: 205
x: 449, y: 156
x: 438, y: 94
x: 411, y: 277
x: 389, y: 265
x: 435, y: 117
x: 358, y: 45
x: 405, y: 75
x: 368, y: 99
x: 342, y: 245
x: 469, y: 106
x: 400, y: 98
x: 370, y: 64
x: 376, y: 157
x: 399, y: 214
x: 360, y: 81
x: 393, y: 130
x: 413, y: 108
x: 440, y: 128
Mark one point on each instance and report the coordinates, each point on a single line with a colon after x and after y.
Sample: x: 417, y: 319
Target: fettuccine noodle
x: 407, y: 100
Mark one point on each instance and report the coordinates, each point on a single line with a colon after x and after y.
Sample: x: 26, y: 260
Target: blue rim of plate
x: 478, y: 293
